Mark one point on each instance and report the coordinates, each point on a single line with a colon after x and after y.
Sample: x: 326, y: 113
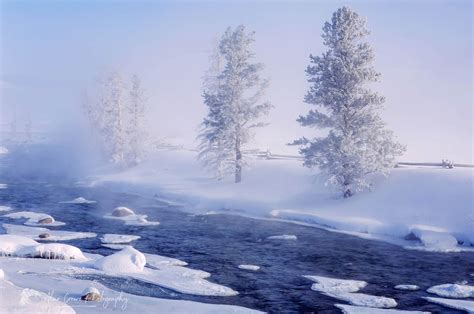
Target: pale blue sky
x: 51, y: 50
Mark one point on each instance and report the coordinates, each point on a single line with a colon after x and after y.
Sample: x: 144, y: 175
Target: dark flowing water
x: 219, y: 243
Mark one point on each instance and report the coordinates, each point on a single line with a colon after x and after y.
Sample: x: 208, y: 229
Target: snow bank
x: 35, y: 219
x: 43, y: 275
x: 453, y: 291
x: 421, y: 196
x: 350, y: 309
x: 283, y: 237
x: 110, y: 238
x: 52, y: 235
x: 5, y: 208
x: 407, y: 287
x: 462, y: 305
x: 249, y: 267
x: 126, y: 261
x: 343, y: 289
x: 16, y: 300
x: 80, y: 200
x: 13, y: 245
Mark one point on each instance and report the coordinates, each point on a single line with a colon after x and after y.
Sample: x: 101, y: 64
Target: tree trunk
x: 238, y: 162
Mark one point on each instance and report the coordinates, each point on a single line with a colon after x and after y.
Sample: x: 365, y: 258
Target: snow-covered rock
x: 53, y: 235
x: 453, y: 291
x: 342, y: 289
x: 79, y: 200
x: 350, y: 309
x: 35, y: 219
x: 462, y: 305
x: 5, y: 208
x: 283, y: 237
x: 110, y: 238
x: 407, y: 287
x: 52, y: 251
x: 122, y: 212
x: 249, y: 267
x: 435, y: 239
x: 133, y: 219
x: 91, y: 294
x: 125, y: 261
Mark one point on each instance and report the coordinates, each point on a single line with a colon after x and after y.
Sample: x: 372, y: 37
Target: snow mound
x: 283, y: 237
x: 16, y: 300
x: 110, y: 238
x: 249, y: 267
x: 5, y: 208
x: 53, y: 251
x: 462, y: 305
x: 126, y: 261
x: 12, y: 244
x: 35, y: 219
x: 3, y: 186
x: 34, y: 232
x: 130, y: 218
x: 160, y: 261
x: 350, y: 309
x: 435, y: 239
x: 407, y: 287
x: 79, y: 200
x: 453, y: 291
x: 345, y: 290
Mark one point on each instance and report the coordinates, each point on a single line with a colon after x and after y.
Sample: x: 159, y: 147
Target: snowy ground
x: 432, y: 207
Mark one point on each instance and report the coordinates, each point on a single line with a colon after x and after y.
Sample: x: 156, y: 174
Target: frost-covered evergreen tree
x: 136, y: 133
x: 234, y: 104
x: 357, y: 144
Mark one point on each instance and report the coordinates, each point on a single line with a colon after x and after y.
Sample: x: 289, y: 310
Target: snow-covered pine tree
x: 136, y: 133
x: 357, y: 144
x: 234, y: 107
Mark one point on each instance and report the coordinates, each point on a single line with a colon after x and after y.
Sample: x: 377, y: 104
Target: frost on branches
x: 233, y: 89
x: 357, y: 143
x: 117, y: 118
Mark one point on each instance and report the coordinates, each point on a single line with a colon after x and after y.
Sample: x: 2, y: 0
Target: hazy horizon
x: 52, y: 50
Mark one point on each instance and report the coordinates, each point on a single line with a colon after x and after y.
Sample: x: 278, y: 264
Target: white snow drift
x: 345, y: 290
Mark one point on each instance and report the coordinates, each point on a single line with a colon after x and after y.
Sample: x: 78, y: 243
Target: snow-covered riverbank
x: 431, y: 206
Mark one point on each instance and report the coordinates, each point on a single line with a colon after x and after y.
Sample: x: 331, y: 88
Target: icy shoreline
x: 395, y: 211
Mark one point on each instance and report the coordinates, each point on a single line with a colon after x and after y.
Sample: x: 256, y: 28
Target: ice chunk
x: 249, y: 267
x: 350, y: 309
x: 79, y: 200
x: 407, y: 287
x: 463, y: 305
x: 122, y: 212
x: 3, y: 186
x: 115, y: 246
x: 160, y: 261
x: 35, y: 219
x: 35, y: 232
x: 344, y: 290
x: 283, y: 237
x: 3, y: 150
x: 126, y: 261
x: 5, y: 208
x: 110, y: 238
x: 453, y: 291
